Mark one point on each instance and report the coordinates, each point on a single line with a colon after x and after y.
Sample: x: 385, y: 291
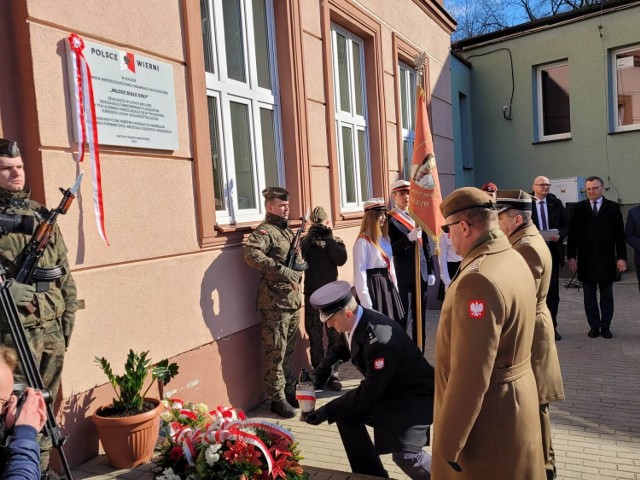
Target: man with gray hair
x: 486, y: 419
x: 395, y: 396
x: 515, y: 207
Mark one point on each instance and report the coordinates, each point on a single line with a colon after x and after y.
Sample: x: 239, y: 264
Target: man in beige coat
x: 486, y: 423
x: 514, y: 207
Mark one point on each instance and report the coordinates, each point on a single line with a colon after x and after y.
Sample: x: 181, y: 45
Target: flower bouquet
x: 222, y: 444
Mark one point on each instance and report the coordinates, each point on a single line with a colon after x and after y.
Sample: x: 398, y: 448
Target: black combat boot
x: 282, y: 408
x: 292, y: 400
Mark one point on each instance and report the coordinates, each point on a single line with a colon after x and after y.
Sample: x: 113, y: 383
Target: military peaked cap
x: 9, y: 148
x: 513, y: 199
x: 400, y: 185
x: 465, y: 198
x: 276, y: 192
x: 331, y: 298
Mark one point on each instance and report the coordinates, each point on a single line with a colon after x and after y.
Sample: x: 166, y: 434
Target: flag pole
x: 419, y: 62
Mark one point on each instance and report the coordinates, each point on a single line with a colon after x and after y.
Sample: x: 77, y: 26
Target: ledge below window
x: 555, y: 140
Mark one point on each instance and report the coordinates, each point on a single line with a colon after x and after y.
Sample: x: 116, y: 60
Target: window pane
x: 406, y: 160
x: 412, y: 101
x: 241, y: 137
x: 260, y: 35
x: 555, y: 100
x: 628, y: 78
x: 218, y: 178
x: 268, y: 148
x: 403, y: 98
x: 357, y: 77
x: 233, y: 39
x: 207, y: 41
x: 349, y: 167
x: 343, y: 74
x: 364, y: 167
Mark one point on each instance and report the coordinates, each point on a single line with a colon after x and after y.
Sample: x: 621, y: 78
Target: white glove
x: 415, y: 234
x: 431, y: 280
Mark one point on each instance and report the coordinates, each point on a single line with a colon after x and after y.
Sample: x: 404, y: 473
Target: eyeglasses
x: 445, y: 227
x: 542, y: 184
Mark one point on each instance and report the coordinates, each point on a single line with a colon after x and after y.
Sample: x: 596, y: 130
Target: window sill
x: 619, y: 132
x: 555, y: 140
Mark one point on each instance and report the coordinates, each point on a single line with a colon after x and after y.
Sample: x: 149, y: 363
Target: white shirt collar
x: 349, y: 335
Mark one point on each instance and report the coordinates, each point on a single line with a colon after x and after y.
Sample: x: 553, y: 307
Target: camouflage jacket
x: 60, y: 298
x: 266, y: 250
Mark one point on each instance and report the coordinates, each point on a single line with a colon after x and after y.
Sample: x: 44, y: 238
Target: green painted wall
x: 504, y: 150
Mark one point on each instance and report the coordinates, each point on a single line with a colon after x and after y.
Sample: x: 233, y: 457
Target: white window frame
x: 408, y: 131
x: 357, y: 123
x: 227, y: 90
x: 540, y: 120
x: 614, y: 82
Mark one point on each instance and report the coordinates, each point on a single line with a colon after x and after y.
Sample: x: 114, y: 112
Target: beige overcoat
x: 528, y: 242
x: 486, y: 406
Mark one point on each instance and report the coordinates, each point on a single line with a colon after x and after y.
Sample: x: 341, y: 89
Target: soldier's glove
x: 415, y: 234
x: 455, y: 466
x: 21, y: 292
x: 319, y: 378
x: 317, y: 417
x: 68, y: 320
x: 431, y: 280
x: 292, y: 276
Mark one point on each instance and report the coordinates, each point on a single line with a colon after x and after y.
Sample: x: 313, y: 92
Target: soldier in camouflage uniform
x: 46, y: 307
x: 279, y: 298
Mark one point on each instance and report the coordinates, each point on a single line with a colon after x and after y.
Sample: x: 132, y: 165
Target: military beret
x: 513, y: 199
x: 276, y: 192
x: 399, y: 185
x: 331, y: 298
x: 489, y: 187
x: 318, y: 215
x: 9, y: 148
x: 375, y: 204
x: 465, y: 198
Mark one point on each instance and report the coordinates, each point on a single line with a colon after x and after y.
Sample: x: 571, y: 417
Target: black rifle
x: 292, y: 256
x: 30, y: 256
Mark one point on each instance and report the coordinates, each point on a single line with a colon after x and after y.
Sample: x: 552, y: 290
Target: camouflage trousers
x: 279, y: 337
x: 315, y: 329
x: 48, y: 347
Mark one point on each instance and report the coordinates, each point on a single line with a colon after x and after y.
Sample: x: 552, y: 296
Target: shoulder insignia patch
x: 526, y: 241
x: 477, y: 308
x: 372, y: 337
x: 378, y: 363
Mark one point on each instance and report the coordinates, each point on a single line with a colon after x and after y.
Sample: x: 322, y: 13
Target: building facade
x: 315, y: 96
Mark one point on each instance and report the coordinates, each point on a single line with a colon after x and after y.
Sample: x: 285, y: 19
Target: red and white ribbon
x: 87, y: 125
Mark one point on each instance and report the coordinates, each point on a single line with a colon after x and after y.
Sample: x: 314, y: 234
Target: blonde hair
x: 371, y: 226
x: 8, y: 356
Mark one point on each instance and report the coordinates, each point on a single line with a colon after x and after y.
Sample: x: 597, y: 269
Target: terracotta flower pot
x: 129, y: 441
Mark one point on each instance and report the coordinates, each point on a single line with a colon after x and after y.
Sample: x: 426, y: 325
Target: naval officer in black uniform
x: 395, y: 397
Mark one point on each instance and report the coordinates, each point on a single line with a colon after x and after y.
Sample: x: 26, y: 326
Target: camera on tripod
x: 17, y: 223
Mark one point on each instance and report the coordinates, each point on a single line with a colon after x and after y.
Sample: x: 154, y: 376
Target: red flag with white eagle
x: 425, y: 195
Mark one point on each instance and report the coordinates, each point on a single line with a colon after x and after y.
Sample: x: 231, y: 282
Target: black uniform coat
x: 557, y: 218
x: 597, y: 242
x: 404, y: 254
x: 397, y: 390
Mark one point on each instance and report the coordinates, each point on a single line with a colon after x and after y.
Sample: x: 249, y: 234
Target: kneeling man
x: 395, y: 397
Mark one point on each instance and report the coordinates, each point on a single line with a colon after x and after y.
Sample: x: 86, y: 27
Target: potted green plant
x: 128, y: 427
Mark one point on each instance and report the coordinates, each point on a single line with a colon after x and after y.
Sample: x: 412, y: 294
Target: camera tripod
x: 29, y: 366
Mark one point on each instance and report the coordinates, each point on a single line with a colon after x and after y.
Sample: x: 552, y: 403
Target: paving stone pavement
x: 596, y: 430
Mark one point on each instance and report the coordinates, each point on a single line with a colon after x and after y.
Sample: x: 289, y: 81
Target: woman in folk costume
x: 374, y: 273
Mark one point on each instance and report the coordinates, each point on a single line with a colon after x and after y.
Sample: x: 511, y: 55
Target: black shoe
x: 49, y: 474
x: 334, y: 384
x: 282, y: 408
x: 558, y: 336
x: 594, y: 332
x: 606, y: 333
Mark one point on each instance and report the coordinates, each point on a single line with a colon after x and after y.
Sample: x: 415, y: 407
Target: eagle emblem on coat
x: 477, y: 308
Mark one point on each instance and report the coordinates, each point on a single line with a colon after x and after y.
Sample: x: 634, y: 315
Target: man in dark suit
x: 597, y: 249
x: 548, y: 213
x: 632, y: 232
x: 395, y: 396
x: 405, y: 236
